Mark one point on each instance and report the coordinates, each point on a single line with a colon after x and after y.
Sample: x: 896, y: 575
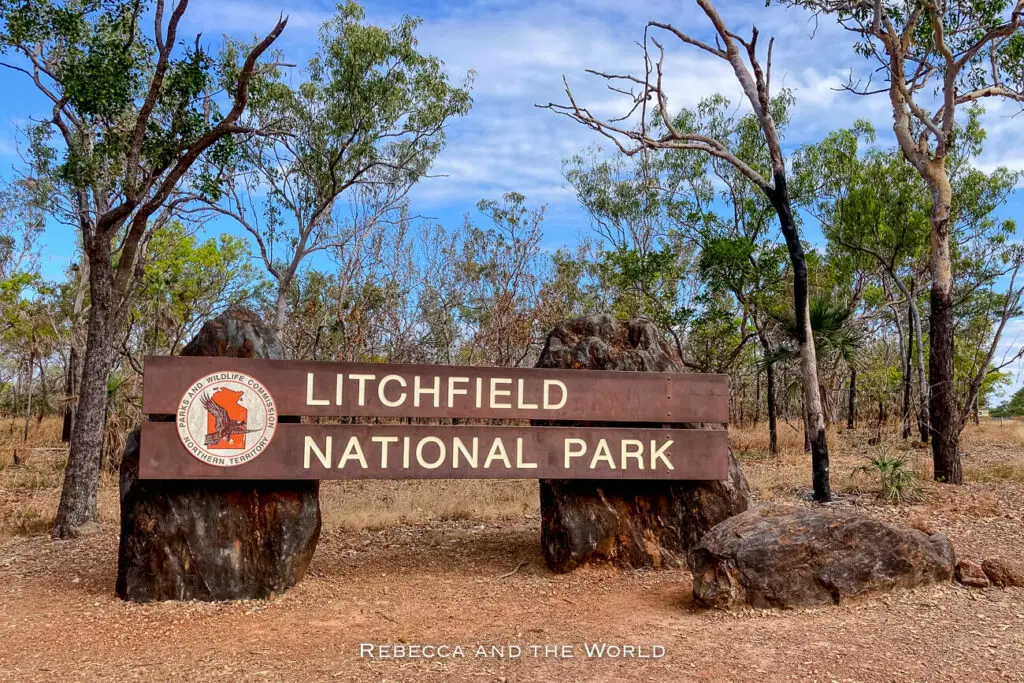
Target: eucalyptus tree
x: 939, y: 57
x: 641, y: 256
x: 657, y: 128
x: 877, y: 205
x: 130, y: 109
x: 873, y: 204
x: 185, y: 281
x: 501, y: 272
x: 737, y: 252
x: 365, y: 122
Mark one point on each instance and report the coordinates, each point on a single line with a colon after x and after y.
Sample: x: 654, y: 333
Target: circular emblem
x: 226, y: 419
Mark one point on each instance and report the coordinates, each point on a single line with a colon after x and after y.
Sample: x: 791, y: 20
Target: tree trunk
x: 757, y: 395
x: 907, y: 373
x: 851, y: 412
x: 71, y: 387
x: 945, y: 417
x: 73, y: 381
x: 81, y: 478
x: 773, y: 432
x: 280, y: 311
x: 923, y: 420
x: 28, y: 402
x: 814, y: 421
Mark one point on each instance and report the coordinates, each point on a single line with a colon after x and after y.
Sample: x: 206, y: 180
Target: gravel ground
x: 448, y: 583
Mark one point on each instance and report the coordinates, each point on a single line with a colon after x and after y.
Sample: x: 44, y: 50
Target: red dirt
x: 439, y: 583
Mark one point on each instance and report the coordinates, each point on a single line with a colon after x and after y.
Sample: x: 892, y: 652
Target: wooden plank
x: 529, y: 453
x: 390, y: 390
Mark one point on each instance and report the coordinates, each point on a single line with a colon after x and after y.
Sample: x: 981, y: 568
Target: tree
x: 184, y: 282
x: 874, y: 206
x: 366, y: 123
x: 501, y: 275
x: 649, y: 97
x: 132, y: 112
x: 964, y: 52
x: 641, y: 259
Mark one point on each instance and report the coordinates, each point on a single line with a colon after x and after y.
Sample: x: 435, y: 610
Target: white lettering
x: 520, y: 463
x: 310, y: 401
x: 384, y: 441
x: 435, y: 390
x: 383, y: 383
x: 522, y: 405
x: 659, y: 454
x: 353, y: 451
x: 548, y: 383
x: 362, y: 379
x: 497, y: 447
x: 495, y: 392
x: 574, y: 448
x: 631, y: 448
x: 440, y: 452
x: 459, y: 447
x: 310, y: 445
x: 453, y: 392
x: 603, y: 453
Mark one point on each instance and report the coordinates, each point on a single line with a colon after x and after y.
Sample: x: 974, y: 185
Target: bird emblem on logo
x: 226, y: 423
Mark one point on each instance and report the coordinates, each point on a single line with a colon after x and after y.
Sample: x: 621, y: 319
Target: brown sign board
x: 234, y: 418
x: 311, y: 451
x: 391, y: 390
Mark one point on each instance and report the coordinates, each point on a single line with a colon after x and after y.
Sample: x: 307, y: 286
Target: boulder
x: 627, y: 523
x: 970, y: 573
x: 215, y: 540
x: 790, y: 556
x: 1004, y: 573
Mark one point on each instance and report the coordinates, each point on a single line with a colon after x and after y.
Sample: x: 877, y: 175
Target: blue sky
x: 519, y: 51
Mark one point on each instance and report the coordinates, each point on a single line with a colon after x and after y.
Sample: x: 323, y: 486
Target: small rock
x: 970, y: 573
x: 1004, y: 573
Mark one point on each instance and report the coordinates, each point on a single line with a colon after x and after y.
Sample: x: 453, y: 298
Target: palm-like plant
x: 838, y: 336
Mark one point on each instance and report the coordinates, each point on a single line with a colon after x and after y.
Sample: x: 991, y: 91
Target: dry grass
x: 30, y: 491
x: 378, y: 504
x: 993, y: 456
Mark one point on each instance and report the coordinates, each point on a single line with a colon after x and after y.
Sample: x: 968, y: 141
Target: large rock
x: 215, y: 540
x: 627, y: 523
x: 789, y: 556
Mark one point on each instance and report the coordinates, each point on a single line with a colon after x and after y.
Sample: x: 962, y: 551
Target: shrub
x: 900, y: 484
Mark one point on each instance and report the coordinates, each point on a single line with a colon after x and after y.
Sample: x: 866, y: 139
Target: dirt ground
x: 440, y: 573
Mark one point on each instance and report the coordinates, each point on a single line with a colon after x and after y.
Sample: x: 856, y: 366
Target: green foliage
x: 1012, y: 408
x: 899, y: 483
x: 185, y: 280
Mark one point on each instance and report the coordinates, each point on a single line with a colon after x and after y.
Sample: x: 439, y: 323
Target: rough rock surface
x: 789, y: 556
x: 1004, y: 573
x: 627, y: 523
x: 215, y: 540
x: 970, y: 573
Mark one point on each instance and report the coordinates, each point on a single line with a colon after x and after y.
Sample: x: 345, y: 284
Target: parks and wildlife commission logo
x: 226, y: 419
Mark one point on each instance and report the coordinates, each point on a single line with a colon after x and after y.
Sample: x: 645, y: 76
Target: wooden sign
x: 231, y: 418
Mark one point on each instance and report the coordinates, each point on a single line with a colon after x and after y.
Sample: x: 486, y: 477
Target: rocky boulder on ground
x: 970, y: 573
x: 627, y: 523
x: 790, y: 556
x: 1004, y: 573
x: 215, y: 540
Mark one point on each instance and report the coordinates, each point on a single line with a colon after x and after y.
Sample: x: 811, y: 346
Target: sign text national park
x: 239, y: 419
